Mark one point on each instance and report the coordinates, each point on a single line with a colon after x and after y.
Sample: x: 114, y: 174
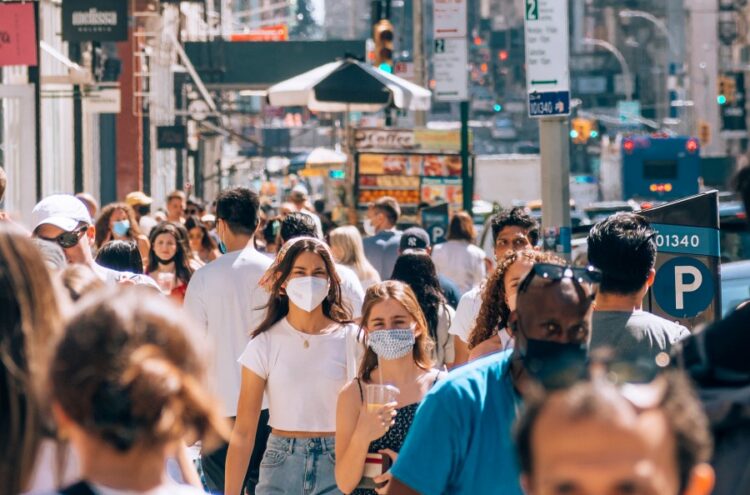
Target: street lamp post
x: 620, y: 58
x: 661, y: 26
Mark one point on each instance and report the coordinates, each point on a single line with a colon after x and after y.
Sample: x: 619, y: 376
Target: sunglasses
x: 555, y: 273
x: 638, y: 380
x: 67, y: 240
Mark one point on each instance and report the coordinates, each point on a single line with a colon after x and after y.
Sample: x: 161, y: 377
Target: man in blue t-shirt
x: 461, y: 440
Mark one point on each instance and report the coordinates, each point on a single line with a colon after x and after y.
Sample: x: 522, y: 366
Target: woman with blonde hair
x: 346, y: 245
x: 398, y: 354
x: 490, y: 333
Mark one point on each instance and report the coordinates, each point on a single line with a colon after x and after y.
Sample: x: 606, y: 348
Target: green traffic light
x: 721, y: 99
x: 594, y: 134
x: 573, y: 134
x: 498, y: 107
x: 386, y: 68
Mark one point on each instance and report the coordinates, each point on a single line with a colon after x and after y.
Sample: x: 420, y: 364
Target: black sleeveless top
x: 396, y: 434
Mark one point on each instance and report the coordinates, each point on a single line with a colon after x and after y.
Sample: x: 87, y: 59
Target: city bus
x: 659, y: 167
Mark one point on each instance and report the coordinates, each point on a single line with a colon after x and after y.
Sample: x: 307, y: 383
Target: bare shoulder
x: 349, y: 396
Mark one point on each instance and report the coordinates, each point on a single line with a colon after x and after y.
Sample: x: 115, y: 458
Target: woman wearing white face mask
x: 398, y: 354
x: 300, y: 356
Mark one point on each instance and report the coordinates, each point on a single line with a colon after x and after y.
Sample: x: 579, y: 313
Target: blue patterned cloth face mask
x: 391, y: 344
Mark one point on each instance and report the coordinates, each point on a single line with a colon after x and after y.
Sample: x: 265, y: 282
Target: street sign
x: 171, y: 137
x: 687, y: 286
x: 629, y: 112
x: 547, y: 57
x: 435, y: 220
x: 549, y: 104
x: 450, y: 62
x: 106, y: 100
x: 449, y: 19
x: 18, y: 44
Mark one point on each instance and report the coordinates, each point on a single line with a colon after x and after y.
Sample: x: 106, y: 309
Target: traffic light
x: 581, y: 130
x: 704, y: 133
x: 727, y: 90
x: 382, y: 34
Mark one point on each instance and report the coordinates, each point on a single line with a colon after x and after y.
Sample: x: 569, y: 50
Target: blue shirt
x: 461, y: 440
x: 381, y: 250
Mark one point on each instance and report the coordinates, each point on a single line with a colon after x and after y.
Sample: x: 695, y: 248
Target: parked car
x: 735, y: 285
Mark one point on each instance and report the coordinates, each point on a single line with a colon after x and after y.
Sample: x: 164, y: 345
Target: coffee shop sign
x: 378, y: 139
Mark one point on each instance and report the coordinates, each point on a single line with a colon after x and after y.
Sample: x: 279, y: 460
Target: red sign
x: 17, y: 34
x: 267, y: 33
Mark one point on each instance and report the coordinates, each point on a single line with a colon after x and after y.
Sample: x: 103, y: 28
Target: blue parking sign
x: 684, y: 287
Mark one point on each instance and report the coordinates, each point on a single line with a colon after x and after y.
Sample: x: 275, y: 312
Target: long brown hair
x: 402, y: 293
x: 278, y: 302
x: 136, y: 380
x: 102, y: 223
x: 182, y: 257
x: 494, y: 311
x: 29, y: 328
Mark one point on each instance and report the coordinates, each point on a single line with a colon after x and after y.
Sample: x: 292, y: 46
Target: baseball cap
x: 61, y: 210
x: 138, y: 198
x: 414, y: 238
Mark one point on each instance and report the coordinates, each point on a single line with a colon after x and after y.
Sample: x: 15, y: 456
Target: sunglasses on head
x: 555, y: 273
x: 636, y: 379
x: 67, y: 240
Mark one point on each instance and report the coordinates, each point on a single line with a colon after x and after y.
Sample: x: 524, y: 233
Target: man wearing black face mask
x: 461, y: 439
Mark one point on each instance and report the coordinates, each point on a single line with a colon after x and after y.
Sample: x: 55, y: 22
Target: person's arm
x: 355, y: 429
x: 187, y: 468
x: 243, y: 434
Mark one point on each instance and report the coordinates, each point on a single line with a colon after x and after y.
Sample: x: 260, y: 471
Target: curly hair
x: 494, y: 311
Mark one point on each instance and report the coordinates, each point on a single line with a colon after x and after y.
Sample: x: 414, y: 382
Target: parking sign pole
x: 547, y: 38
x: 554, y: 137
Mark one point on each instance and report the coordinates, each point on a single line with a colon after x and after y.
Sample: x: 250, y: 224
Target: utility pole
x: 420, y: 118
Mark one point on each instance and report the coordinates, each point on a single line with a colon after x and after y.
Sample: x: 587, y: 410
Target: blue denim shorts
x: 298, y: 466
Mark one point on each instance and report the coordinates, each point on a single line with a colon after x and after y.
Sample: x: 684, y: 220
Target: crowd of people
x: 231, y: 348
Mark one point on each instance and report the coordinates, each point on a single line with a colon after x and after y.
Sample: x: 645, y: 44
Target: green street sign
x: 532, y: 10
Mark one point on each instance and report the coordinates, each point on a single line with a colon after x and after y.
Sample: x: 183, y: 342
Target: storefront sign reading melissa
x: 95, y: 20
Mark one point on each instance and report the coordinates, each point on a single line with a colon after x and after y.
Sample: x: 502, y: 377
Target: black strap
x: 80, y: 488
x: 437, y: 377
x: 361, y: 393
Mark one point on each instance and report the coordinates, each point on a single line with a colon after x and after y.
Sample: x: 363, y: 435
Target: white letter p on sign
x: 681, y: 287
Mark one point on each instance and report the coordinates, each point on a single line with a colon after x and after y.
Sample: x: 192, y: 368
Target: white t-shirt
x: 466, y: 314
x: 227, y: 304
x: 352, y: 292
x: 302, y: 384
x: 460, y: 261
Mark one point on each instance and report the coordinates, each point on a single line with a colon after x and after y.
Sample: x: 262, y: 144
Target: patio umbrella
x: 318, y: 157
x: 349, y: 86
